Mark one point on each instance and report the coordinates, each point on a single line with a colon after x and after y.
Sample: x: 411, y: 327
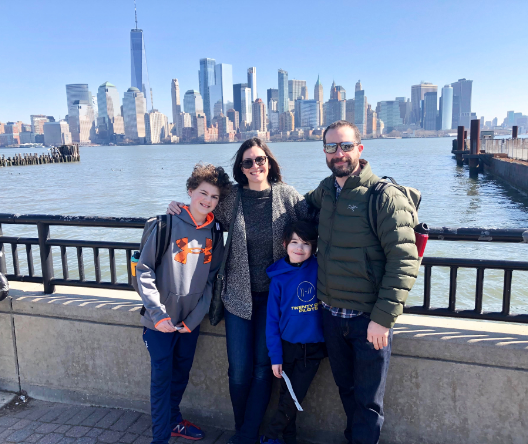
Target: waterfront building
x: 273, y: 120
x: 341, y: 91
x: 234, y: 116
x: 138, y: 65
x: 372, y: 118
x: 350, y: 110
x: 259, y: 115
x: 252, y: 82
x: 272, y: 94
x: 193, y: 102
x: 77, y: 91
x: 335, y: 110
x: 57, y: 133
x: 430, y: 111
x: 246, y: 106
x: 201, y: 126
x: 309, y: 114
x: 334, y: 93
x: 237, y: 96
x: 447, y: 107
x: 360, y: 109
x: 2, y: 128
x: 405, y: 110
x: 38, y: 121
x: 494, y: 122
x: 109, y: 107
x: 176, y: 104
x: 207, y: 79
x: 273, y: 105
x: 318, y: 95
x: 284, y: 104
x: 81, y: 120
x: 417, y: 96
x: 462, y: 91
x: 389, y: 113
x: 156, y: 126
x: 286, y: 121
x: 134, y: 110
x: 295, y: 89
x: 221, y: 93
x: 510, y: 118
x: 27, y: 137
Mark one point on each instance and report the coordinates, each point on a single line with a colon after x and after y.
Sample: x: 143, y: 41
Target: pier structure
x: 60, y: 154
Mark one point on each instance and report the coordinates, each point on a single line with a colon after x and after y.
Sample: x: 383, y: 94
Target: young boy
x: 176, y: 296
x: 294, y: 330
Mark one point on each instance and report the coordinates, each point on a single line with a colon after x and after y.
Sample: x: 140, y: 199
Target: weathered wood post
x: 515, y: 130
x: 460, y: 146
x: 475, y: 148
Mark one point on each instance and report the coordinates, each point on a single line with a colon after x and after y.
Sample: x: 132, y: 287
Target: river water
x: 140, y: 180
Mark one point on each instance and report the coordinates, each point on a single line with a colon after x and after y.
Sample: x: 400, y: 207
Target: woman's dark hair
x: 213, y: 175
x: 307, y: 231
x: 274, y: 173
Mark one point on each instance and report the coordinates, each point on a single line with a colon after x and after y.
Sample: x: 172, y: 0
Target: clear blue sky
x: 389, y: 45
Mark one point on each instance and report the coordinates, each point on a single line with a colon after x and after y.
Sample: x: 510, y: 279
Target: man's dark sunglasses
x: 331, y: 148
x: 248, y: 163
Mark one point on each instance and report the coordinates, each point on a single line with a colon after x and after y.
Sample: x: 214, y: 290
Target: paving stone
x: 65, y: 416
x: 52, y: 414
x: 110, y: 418
x: 125, y: 421
x: 95, y: 417
x: 142, y: 424
x: 21, y: 424
x: 52, y: 438
x: 222, y: 439
x: 5, y: 434
x: 110, y: 437
x: 78, y: 431
x: 128, y: 438
x: 67, y: 440
x: 34, y: 438
x: 47, y: 428
x: 86, y: 440
x: 7, y: 421
x: 142, y: 440
x: 38, y: 411
x: 81, y: 416
x: 19, y: 435
x: 63, y: 428
x: 94, y: 433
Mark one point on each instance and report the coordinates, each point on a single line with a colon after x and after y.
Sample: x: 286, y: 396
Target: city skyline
x: 106, y: 57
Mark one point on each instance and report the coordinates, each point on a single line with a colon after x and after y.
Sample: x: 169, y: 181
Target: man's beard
x: 344, y: 170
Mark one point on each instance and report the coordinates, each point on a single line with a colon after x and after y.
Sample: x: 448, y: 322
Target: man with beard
x: 363, y: 278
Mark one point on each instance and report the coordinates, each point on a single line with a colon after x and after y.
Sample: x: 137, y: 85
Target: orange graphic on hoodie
x: 183, y: 245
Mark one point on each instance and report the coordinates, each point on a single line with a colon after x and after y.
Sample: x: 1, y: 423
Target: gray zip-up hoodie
x: 180, y: 289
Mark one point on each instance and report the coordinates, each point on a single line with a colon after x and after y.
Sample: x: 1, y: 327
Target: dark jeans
x: 300, y: 363
x: 171, y: 358
x: 360, y: 372
x: 249, y: 369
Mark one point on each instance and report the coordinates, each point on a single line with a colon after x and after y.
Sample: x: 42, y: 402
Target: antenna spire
x: 135, y: 12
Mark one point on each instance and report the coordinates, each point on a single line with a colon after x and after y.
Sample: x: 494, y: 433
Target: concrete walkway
x: 43, y: 422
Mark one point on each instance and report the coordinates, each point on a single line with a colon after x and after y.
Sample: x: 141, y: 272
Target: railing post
x: 3, y: 264
x: 46, y: 258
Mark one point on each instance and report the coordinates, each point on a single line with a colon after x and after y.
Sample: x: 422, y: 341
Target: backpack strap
x: 217, y: 233
x: 163, y: 234
x: 375, y: 201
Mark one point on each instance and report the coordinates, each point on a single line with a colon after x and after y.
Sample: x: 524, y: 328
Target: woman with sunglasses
x: 266, y: 206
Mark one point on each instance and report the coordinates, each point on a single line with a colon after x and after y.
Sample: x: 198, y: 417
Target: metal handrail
x: 45, y: 242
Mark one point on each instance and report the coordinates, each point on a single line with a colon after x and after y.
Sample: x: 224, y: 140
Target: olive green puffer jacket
x: 356, y: 269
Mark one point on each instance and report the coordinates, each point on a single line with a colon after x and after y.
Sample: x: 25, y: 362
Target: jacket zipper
x: 330, y: 241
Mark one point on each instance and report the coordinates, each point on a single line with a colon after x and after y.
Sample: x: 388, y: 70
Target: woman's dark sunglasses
x: 331, y: 148
x: 248, y: 163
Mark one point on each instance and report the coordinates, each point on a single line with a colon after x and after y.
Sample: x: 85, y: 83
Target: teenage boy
x: 176, y: 296
x: 294, y: 330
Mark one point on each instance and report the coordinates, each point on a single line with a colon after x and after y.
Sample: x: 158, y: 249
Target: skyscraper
x: 134, y: 110
x: 318, y: 91
x: 193, y: 102
x: 252, y: 82
x: 223, y: 99
x: 57, y: 133
x: 390, y: 114
x: 259, y: 115
x: 237, y: 97
x: 360, y: 109
x: 295, y: 89
x: 207, y: 78
x: 430, y: 110
x: 175, y: 95
x: 447, y: 107
x: 417, y: 96
x: 234, y: 117
x: 77, y: 91
x: 109, y: 107
x: 272, y: 94
x: 284, y: 104
x: 37, y: 123
x: 334, y: 110
x: 81, y: 120
x: 462, y: 91
x: 246, y: 116
x: 156, y: 126
x: 138, y: 64
x: 309, y: 114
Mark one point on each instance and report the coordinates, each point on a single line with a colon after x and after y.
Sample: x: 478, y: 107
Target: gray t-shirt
x: 256, y: 206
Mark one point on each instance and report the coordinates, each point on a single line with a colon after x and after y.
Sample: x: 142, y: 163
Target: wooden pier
x: 61, y: 154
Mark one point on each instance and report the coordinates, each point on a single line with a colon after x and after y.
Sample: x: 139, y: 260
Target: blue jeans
x: 171, y: 358
x: 360, y: 372
x: 250, y: 372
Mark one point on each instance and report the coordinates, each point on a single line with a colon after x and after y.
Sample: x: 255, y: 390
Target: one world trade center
x: 138, y: 59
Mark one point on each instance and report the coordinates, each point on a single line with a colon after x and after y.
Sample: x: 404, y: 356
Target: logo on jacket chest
x: 306, y: 291
x: 183, y: 245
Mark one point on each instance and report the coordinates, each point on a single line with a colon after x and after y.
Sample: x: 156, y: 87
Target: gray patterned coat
x: 287, y: 206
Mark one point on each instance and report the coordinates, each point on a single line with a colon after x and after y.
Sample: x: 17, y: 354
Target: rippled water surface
x: 140, y: 181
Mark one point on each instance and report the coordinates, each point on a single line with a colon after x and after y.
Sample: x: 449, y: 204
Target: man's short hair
x: 341, y: 123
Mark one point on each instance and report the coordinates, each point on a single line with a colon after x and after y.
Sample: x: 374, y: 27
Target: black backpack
x: 163, y: 235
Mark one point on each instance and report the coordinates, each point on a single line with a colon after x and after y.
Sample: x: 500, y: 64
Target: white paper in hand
x: 288, y: 383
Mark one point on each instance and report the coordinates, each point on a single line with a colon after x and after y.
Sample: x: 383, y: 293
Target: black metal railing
x: 46, y: 242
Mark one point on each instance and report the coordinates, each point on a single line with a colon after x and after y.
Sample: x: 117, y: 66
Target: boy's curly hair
x: 213, y: 175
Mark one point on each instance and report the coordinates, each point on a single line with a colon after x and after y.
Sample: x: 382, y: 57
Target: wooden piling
x: 460, y: 145
x: 515, y: 130
x: 475, y: 148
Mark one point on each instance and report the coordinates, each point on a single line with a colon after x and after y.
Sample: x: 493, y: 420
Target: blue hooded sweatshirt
x: 294, y: 312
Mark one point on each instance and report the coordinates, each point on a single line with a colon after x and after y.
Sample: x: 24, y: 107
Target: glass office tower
x: 284, y: 104
x: 139, y: 71
x: 206, y: 79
